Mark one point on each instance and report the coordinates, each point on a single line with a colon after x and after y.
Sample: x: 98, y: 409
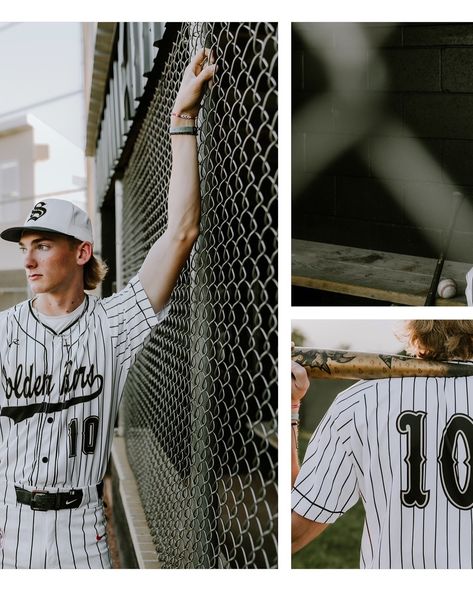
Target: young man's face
x: 50, y: 262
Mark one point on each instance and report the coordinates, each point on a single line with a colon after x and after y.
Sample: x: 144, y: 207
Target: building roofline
x: 16, y: 124
x: 103, y: 55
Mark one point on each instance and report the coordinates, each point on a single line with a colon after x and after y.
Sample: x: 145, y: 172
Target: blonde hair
x: 94, y: 273
x: 440, y: 339
x: 95, y: 269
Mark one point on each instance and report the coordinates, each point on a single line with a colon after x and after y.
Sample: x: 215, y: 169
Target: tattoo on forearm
x: 325, y: 363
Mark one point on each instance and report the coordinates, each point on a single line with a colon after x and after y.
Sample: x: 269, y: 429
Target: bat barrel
x: 355, y: 365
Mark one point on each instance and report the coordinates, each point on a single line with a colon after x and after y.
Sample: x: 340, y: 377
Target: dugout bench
x: 372, y: 274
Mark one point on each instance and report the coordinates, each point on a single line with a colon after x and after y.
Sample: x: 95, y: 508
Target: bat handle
x: 430, y: 299
x: 457, y: 201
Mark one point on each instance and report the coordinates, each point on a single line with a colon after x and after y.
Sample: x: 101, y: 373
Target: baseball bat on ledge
x: 355, y: 365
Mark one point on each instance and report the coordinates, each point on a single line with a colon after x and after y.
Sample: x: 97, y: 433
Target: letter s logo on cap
x: 38, y: 211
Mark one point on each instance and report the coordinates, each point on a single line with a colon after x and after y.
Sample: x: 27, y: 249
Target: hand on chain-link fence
x: 201, y: 403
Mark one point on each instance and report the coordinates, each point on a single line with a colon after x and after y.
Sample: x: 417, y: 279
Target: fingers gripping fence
x: 201, y: 403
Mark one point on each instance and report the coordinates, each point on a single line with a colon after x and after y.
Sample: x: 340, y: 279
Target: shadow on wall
x: 382, y: 135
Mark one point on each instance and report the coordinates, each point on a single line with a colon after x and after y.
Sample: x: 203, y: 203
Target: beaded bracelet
x: 184, y: 130
x: 183, y: 116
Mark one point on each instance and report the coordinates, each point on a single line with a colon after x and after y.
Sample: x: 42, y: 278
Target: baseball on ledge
x: 447, y: 288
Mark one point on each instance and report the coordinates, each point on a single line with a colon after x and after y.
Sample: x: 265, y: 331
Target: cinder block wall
x: 388, y: 182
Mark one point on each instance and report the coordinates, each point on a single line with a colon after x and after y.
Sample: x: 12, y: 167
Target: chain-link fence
x: 381, y: 160
x: 201, y: 403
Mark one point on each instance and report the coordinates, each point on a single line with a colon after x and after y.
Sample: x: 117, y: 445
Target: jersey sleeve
x: 326, y: 486
x: 132, y: 319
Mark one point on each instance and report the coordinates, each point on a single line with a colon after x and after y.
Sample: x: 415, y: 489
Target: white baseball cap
x: 54, y: 215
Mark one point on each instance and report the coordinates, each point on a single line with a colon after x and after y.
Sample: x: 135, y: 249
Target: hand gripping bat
x: 354, y: 365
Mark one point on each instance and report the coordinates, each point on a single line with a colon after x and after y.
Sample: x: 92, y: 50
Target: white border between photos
x: 397, y: 11
x: 284, y: 13
x: 235, y: 580
x: 239, y: 10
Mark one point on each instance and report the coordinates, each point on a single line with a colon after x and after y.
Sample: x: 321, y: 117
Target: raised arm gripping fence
x: 201, y: 403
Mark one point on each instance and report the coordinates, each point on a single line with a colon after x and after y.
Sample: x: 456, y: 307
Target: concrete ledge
x: 134, y: 541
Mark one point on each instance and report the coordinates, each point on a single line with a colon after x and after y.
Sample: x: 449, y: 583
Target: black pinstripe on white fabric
x: 59, y: 398
x: 382, y: 441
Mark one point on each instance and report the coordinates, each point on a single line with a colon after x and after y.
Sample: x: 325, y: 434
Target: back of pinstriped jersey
x: 405, y: 447
x: 59, y: 394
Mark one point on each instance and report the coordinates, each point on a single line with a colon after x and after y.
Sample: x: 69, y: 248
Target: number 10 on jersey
x: 89, y: 435
x: 459, y: 427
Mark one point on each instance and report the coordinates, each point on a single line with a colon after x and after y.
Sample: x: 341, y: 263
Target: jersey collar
x: 68, y: 327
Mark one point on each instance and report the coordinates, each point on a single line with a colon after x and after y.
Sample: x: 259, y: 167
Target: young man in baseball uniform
x: 65, y: 356
x: 405, y: 447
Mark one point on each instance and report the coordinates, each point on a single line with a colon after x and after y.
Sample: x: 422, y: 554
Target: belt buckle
x: 36, y: 496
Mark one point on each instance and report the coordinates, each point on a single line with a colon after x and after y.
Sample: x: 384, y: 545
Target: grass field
x: 339, y: 545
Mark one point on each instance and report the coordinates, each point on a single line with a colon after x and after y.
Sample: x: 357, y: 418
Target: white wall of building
x: 16, y: 146
x: 59, y: 165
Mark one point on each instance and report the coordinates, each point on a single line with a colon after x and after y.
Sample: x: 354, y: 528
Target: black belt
x: 42, y: 500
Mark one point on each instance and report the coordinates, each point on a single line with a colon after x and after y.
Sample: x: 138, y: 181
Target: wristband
x: 184, y: 130
x: 294, y: 416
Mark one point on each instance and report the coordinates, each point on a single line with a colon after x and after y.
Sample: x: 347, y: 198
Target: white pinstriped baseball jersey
x: 405, y: 447
x: 59, y: 397
x: 59, y: 393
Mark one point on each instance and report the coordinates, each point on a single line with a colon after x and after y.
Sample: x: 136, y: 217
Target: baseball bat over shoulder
x: 355, y: 365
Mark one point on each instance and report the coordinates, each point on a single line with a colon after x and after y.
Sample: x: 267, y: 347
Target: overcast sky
x: 359, y: 335
x: 41, y: 73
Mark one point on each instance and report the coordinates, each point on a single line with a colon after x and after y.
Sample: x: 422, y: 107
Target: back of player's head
x: 440, y: 339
